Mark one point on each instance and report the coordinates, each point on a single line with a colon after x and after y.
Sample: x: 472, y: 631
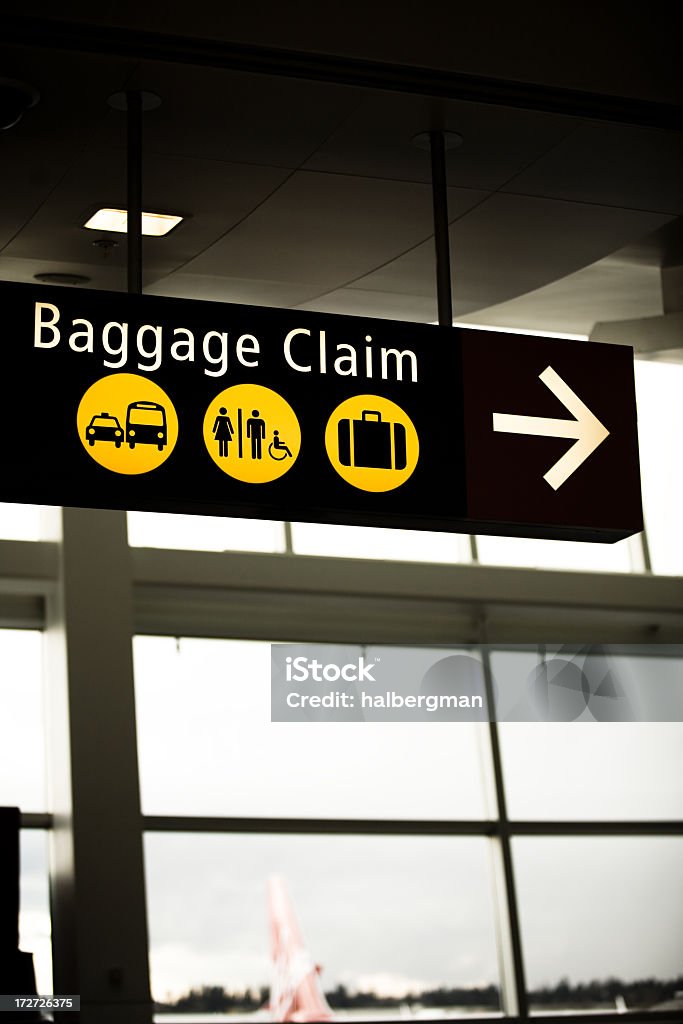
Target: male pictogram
x: 256, y: 430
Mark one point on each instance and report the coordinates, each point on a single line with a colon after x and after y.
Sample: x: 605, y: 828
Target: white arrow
x: 585, y: 427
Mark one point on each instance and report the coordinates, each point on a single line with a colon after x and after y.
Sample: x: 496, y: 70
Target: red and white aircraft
x: 296, y: 994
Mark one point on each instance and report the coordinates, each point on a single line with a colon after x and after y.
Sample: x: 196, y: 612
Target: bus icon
x: 146, y: 424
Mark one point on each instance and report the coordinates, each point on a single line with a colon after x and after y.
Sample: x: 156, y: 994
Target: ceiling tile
x: 511, y: 245
x: 387, y: 305
x: 327, y: 229
x: 231, y: 289
x: 498, y: 142
x: 238, y: 117
x: 212, y: 196
x: 611, y: 289
x: 51, y: 136
x: 602, y: 163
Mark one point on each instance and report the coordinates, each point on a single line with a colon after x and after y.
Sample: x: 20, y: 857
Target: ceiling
x: 311, y: 195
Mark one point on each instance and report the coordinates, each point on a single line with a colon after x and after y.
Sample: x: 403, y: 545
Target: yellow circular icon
x: 252, y: 433
x: 372, y: 443
x: 127, y: 423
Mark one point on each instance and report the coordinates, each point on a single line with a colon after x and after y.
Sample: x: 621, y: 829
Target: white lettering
x: 50, y: 325
x: 252, y: 349
x: 221, y: 361
x: 288, y: 349
x: 155, y: 354
x: 122, y: 349
x: 88, y: 345
x: 187, y: 343
x: 368, y: 358
x: 399, y: 357
x: 351, y: 358
x: 323, y: 353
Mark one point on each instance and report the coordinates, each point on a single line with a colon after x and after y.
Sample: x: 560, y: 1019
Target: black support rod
x: 134, y: 165
x: 441, y: 240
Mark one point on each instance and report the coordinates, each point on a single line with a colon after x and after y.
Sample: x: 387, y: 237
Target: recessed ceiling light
x: 155, y: 224
x: 58, y: 278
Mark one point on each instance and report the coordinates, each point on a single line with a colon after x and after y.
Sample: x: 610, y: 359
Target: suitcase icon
x: 371, y: 442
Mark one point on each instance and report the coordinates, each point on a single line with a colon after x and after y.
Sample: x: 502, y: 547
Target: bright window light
x: 520, y: 330
x: 156, y: 224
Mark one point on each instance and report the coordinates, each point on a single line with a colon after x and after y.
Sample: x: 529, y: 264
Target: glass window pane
x: 22, y: 744
x: 384, y: 915
x: 34, y: 916
x: 207, y: 746
x: 624, y: 556
x: 659, y: 388
x: 592, y: 770
x: 20, y: 522
x: 204, y: 533
x: 603, y: 913
x: 373, y: 542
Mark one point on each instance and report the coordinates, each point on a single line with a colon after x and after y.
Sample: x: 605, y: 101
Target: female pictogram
x: 223, y: 431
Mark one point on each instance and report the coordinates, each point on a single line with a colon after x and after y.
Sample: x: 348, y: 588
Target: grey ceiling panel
x: 633, y: 167
x: 53, y: 135
x: 231, y: 289
x: 213, y: 196
x: 327, y: 230
x: 498, y: 142
x: 351, y: 232
x: 386, y: 305
x: 611, y: 289
x: 254, y: 119
x: 511, y: 245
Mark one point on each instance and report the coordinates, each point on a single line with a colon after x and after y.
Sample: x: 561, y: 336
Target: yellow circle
x: 372, y: 443
x: 127, y: 423
x: 252, y: 433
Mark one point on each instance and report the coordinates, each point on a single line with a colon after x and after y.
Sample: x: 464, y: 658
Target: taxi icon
x: 104, y: 428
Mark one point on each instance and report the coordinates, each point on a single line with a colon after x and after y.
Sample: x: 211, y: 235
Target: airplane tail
x: 296, y: 994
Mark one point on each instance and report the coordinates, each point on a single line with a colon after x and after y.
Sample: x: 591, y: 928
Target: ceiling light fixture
x: 15, y: 99
x: 153, y: 224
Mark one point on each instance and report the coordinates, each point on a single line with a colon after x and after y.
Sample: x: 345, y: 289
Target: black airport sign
x: 171, y: 405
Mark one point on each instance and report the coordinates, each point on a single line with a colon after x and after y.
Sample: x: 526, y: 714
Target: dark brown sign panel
x: 551, y: 435
x: 139, y: 402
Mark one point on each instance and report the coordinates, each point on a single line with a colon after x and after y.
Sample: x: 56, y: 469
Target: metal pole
x: 441, y: 240
x: 134, y: 167
x: 513, y: 980
x: 444, y: 298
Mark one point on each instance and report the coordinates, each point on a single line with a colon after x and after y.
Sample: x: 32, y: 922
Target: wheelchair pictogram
x: 277, y: 449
